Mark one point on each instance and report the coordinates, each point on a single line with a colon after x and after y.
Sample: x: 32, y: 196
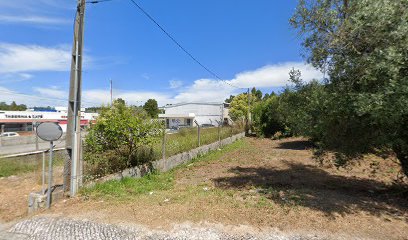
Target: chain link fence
x: 169, y: 144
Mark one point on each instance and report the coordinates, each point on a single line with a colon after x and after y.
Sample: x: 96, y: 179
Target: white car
x: 9, y: 134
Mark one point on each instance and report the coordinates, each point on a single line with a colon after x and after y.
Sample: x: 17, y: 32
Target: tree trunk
x: 401, y: 150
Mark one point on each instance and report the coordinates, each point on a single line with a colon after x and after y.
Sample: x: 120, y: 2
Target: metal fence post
x: 164, y: 144
x: 199, y: 140
x: 198, y: 132
x: 43, y: 173
x: 50, y: 175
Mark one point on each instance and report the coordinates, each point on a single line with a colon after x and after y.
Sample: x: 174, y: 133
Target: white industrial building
x: 186, y: 114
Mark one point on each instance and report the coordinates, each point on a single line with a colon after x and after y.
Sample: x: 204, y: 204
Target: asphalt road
x: 22, y: 148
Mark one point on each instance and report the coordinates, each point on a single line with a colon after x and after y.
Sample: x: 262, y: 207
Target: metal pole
x: 199, y: 140
x: 50, y: 175
x: 43, y: 173
x: 36, y: 138
x: 164, y: 143
x: 1, y: 138
x: 249, y: 113
x: 219, y: 134
x: 73, y: 138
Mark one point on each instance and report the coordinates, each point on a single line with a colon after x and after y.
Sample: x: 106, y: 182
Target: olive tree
x: 362, y: 46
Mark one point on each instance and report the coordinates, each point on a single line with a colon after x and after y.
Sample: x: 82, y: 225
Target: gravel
x: 49, y: 228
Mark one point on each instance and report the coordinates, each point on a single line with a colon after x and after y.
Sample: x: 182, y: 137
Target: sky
x: 246, y: 43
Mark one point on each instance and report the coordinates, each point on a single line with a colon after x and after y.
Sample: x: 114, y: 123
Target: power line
x: 180, y: 46
x: 39, y: 97
x: 54, y: 99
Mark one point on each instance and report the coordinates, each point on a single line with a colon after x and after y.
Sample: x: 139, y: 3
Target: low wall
x: 167, y: 164
x: 20, y: 140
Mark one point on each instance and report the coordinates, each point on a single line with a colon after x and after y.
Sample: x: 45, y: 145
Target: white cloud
x: 205, y: 90
x: 145, y: 76
x: 202, y: 90
x: 52, y: 92
x: 28, y: 58
x: 14, y: 77
x: 209, y: 90
x: 32, y: 19
x: 274, y: 75
x: 8, y: 95
x: 100, y: 96
x: 175, y: 84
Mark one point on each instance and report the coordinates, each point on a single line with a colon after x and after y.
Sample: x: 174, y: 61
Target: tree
x: 267, y: 118
x: 12, y: 107
x: 151, y: 108
x: 239, y: 107
x: 256, y: 93
x: 361, y: 45
x: 117, y: 138
x: 229, y: 100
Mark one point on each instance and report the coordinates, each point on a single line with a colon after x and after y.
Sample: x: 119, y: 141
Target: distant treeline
x: 12, y: 107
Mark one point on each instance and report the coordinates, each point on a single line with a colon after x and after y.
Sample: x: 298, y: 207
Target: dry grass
x: 266, y: 184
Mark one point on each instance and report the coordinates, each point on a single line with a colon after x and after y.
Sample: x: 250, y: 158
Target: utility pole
x: 73, y: 137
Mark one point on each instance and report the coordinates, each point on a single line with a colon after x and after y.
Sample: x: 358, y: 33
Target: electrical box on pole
x: 73, y: 137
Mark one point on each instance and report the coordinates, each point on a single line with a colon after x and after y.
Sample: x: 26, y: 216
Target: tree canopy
x: 362, y: 48
x: 12, y: 107
x: 151, y: 108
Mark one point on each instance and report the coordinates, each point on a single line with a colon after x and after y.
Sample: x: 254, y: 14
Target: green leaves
x: 121, y: 135
x: 363, y: 47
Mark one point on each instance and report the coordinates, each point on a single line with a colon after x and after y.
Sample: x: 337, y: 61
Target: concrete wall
x: 167, y: 164
x: 11, y: 141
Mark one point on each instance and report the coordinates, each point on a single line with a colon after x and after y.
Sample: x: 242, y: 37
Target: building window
x: 188, y: 122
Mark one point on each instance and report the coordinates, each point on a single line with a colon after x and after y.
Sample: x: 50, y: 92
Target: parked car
x: 9, y: 134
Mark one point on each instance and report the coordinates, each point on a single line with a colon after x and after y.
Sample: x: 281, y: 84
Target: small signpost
x: 49, y: 132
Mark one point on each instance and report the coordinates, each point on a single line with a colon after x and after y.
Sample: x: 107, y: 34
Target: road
x: 53, y: 228
x: 22, y: 148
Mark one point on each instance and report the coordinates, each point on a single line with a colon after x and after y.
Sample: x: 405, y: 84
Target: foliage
x: 12, y: 107
x: 267, y: 119
x: 121, y: 138
x: 229, y: 100
x: 362, y: 106
x: 239, y: 106
x: 151, y: 108
x: 257, y: 93
x: 187, y: 139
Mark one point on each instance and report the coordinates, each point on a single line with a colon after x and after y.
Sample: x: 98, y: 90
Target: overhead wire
x: 180, y: 46
x: 43, y: 98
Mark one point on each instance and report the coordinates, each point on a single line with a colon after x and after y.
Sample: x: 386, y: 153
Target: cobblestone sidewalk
x: 47, y: 228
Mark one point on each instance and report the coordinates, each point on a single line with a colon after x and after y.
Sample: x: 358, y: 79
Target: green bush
x: 121, y: 138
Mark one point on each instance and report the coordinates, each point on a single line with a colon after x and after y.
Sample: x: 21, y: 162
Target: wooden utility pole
x: 73, y: 138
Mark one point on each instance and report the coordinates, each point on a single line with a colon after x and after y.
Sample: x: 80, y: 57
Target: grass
x: 133, y: 187
x: 187, y: 139
x: 10, y: 167
x: 25, y: 164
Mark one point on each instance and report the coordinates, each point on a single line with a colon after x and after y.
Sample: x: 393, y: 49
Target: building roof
x: 181, y: 115
x: 196, y: 103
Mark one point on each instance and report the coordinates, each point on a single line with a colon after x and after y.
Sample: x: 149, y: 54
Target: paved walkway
x: 47, y: 228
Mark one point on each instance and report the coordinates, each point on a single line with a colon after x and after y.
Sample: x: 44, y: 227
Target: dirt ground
x: 264, y: 184
x: 14, y: 192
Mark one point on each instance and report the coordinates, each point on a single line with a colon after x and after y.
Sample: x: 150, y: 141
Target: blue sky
x: 247, y: 43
